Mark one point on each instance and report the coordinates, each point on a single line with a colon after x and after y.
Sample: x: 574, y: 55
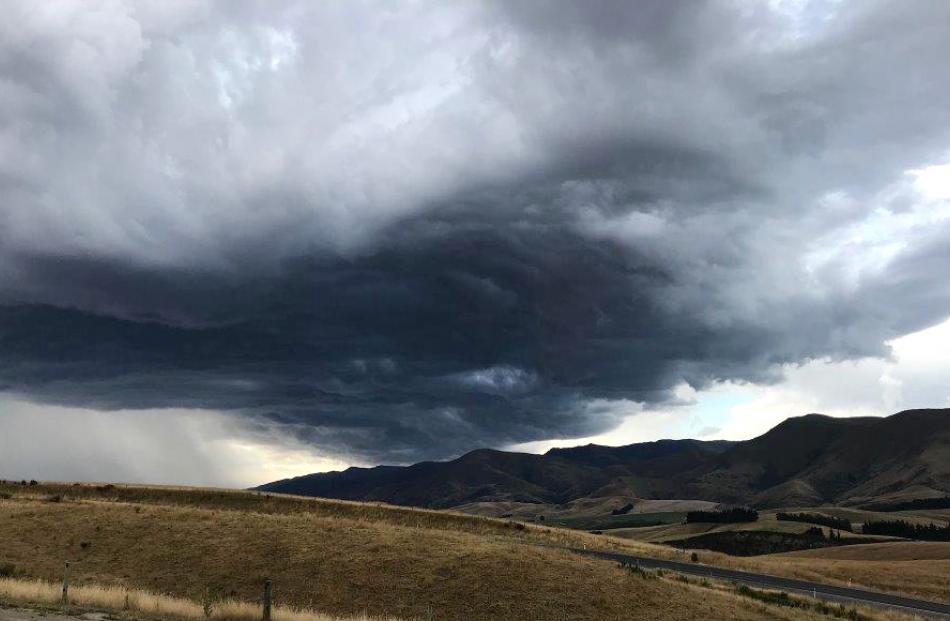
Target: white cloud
x: 501, y: 379
x: 915, y: 377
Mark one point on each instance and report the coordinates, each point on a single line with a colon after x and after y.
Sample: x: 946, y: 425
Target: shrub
x: 781, y: 598
x: 7, y: 570
x: 643, y: 573
x: 623, y: 510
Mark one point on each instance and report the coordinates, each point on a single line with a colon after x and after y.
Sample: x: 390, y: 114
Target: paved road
x: 823, y: 591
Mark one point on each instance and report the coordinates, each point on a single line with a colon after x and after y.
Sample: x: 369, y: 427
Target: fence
x: 267, y: 600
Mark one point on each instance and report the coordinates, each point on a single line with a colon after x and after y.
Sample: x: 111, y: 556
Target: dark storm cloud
x: 398, y: 246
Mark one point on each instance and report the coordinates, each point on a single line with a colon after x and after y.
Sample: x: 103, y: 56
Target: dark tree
x: 725, y: 516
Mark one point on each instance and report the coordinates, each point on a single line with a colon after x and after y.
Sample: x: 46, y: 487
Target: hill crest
x: 803, y: 460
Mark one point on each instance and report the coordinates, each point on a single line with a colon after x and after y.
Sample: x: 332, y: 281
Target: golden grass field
x: 134, y: 602
x: 671, y: 532
x: 918, y: 569
x: 888, y: 552
x: 348, y: 559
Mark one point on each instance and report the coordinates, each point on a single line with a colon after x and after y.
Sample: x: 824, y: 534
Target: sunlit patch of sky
x: 915, y: 377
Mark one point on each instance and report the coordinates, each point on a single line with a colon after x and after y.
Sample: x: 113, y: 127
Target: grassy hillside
x: 121, y: 602
x: 767, y: 521
x: 926, y: 579
x: 583, y: 508
x: 672, y: 532
x: 886, y: 552
x: 339, y: 558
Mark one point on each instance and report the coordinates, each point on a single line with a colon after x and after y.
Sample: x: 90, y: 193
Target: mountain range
x: 804, y: 461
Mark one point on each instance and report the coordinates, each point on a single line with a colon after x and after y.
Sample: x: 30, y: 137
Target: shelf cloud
x: 398, y: 232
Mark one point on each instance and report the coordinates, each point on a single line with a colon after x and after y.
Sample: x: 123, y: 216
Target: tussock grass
x: 926, y: 579
x: 272, y: 504
x: 800, y: 607
x: 114, y: 599
x: 885, y: 552
x: 284, y: 504
x: 781, y: 598
x: 344, y: 558
x: 343, y: 566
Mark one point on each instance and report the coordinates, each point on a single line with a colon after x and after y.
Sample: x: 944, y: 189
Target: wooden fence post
x: 268, y: 599
x: 66, y: 584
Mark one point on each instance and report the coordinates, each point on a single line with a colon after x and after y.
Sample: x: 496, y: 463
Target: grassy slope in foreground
x: 134, y: 603
x: 339, y: 558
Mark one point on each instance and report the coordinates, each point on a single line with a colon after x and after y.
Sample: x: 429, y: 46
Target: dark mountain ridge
x: 806, y: 460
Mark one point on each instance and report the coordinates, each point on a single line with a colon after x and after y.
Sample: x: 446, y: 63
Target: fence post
x: 66, y: 584
x: 268, y: 599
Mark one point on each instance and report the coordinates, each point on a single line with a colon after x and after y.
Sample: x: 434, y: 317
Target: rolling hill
x: 209, y: 552
x: 804, y: 461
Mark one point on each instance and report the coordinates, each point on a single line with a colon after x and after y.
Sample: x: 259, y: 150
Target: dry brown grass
x: 729, y: 589
x: 283, y: 504
x: 915, y: 569
x: 767, y: 521
x: 348, y: 558
x: 113, y: 598
x: 921, y: 578
x: 890, y: 551
x: 925, y: 579
x: 134, y: 603
x: 344, y: 564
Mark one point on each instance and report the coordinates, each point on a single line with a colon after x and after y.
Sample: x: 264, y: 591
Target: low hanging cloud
x: 399, y: 232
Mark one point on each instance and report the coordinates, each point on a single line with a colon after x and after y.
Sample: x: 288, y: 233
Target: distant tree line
x: 815, y: 518
x: 916, y: 504
x: 724, y: 516
x: 816, y: 533
x: 908, y: 530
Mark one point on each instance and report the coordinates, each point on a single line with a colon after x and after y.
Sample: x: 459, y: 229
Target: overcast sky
x: 244, y: 240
